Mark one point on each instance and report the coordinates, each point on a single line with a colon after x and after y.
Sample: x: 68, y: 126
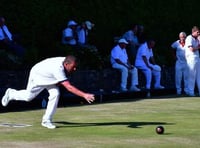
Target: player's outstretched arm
x: 87, y: 96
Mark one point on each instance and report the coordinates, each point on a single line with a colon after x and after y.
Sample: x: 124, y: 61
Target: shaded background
x: 40, y: 23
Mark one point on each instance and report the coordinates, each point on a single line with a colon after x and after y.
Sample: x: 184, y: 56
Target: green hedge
x: 40, y: 22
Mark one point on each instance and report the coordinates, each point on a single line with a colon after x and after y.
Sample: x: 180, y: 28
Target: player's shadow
x: 128, y: 124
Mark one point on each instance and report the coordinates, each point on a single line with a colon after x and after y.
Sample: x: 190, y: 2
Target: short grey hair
x: 69, y: 59
x: 182, y: 33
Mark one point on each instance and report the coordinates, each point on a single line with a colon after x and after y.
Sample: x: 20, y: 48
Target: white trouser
x: 181, y: 73
x: 124, y: 75
x: 148, y: 75
x: 198, y: 77
x: 193, y: 74
x: 32, y: 91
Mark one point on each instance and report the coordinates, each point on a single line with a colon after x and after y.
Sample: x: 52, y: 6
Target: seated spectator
x: 181, y: 63
x: 7, y: 41
x: 131, y: 37
x: 69, y: 36
x: 119, y: 60
x: 146, y: 63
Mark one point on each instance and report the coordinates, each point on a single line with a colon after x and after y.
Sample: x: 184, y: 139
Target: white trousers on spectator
x: 193, y: 74
x: 181, y: 74
x: 148, y: 75
x: 124, y: 75
x: 32, y: 91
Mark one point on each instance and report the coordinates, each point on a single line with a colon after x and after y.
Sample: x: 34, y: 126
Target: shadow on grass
x: 128, y: 124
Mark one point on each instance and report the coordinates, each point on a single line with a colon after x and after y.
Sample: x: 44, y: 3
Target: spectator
x: 48, y: 74
x: 192, y: 57
x: 146, y: 63
x: 141, y: 35
x: 120, y: 61
x: 131, y: 37
x: 7, y: 41
x: 181, y: 64
x: 69, y: 36
x: 82, y: 32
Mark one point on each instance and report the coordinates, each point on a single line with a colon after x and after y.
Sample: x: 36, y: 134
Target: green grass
x: 125, y: 124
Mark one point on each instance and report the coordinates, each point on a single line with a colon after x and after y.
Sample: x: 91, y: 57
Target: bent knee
x: 54, y: 93
x: 29, y: 97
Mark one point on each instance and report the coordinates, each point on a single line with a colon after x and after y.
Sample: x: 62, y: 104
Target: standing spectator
x: 48, y: 74
x: 141, y: 35
x: 181, y: 64
x: 192, y: 57
x: 7, y: 41
x: 69, y: 36
x: 131, y: 37
x: 146, y: 63
x: 120, y: 61
x: 83, y: 31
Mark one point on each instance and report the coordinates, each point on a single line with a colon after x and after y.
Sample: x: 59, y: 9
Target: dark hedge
x: 40, y: 23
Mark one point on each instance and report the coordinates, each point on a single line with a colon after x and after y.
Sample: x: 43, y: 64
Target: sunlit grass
x: 115, y: 124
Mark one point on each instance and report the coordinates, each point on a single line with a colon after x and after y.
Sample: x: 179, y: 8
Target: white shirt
x: 68, y: 32
x: 118, y: 53
x: 49, y: 71
x: 191, y: 41
x: 6, y: 31
x: 180, y: 51
x: 143, y: 50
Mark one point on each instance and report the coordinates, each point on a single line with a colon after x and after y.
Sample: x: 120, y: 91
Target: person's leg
x: 191, y: 76
x: 53, y: 99
x: 148, y: 75
x: 198, y: 76
x: 185, y: 77
x: 134, y: 79
x: 24, y: 95
x: 124, y: 74
x: 178, y: 77
x: 134, y: 74
x: 157, y: 77
x: 27, y: 94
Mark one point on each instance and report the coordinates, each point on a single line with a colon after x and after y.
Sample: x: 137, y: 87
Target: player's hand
x: 89, y: 97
